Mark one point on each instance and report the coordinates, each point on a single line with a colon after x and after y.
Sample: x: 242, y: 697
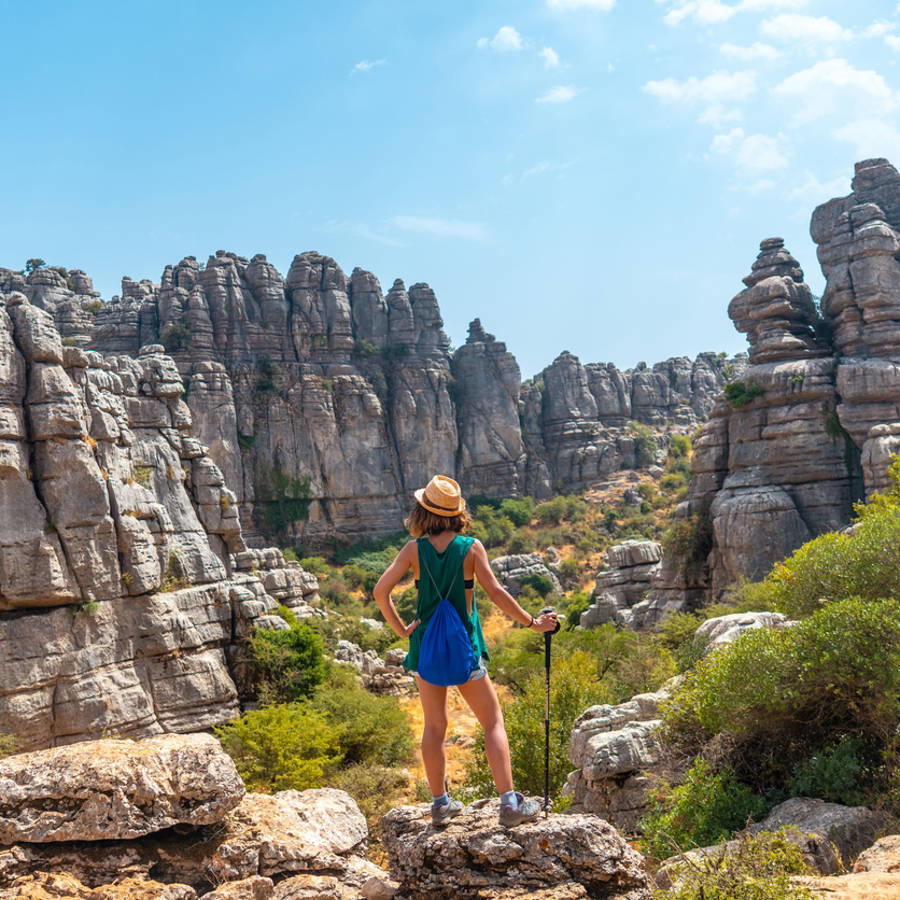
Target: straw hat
x: 441, y: 496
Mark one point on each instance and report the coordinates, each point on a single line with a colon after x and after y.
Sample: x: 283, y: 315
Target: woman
x: 445, y: 564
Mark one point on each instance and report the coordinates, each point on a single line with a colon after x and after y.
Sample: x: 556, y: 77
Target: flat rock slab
x: 49, y: 886
x: 862, y: 886
x: 116, y: 789
x: 474, y: 857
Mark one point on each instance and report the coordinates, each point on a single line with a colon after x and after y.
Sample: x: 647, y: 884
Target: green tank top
x: 442, y: 568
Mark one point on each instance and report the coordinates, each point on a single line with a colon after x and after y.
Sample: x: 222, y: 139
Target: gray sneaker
x: 526, y: 811
x: 441, y: 815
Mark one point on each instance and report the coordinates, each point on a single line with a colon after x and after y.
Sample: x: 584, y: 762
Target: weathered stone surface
x: 722, y: 630
x: 110, y: 508
x: 381, y: 676
x: 254, y: 888
x: 473, y: 857
x: 850, y: 828
x: 862, y: 886
x: 788, y: 464
x: 511, y: 570
x: 113, y: 789
x: 632, y: 566
x: 53, y: 886
x: 882, y: 856
x: 615, y: 753
x: 319, y: 830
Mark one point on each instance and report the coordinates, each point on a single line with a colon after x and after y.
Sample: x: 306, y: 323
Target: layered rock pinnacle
x: 125, y: 584
x: 325, y: 402
x: 813, y: 422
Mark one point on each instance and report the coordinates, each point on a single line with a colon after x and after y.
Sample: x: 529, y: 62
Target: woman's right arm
x: 389, y: 580
x: 499, y: 595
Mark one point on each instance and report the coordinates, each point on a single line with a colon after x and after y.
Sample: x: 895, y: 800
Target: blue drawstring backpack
x: 446, y: 656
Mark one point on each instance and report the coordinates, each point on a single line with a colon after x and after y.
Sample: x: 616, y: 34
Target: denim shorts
x: 474, y: 675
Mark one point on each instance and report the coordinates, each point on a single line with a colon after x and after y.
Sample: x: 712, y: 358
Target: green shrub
x: 645, y: 446
x: 376, y: 789
x: 316, y: 565
x: 542, y: 584
x: 706, y: 808
x: 679, y: 446
x: 758, y: 867
x: 574, y: 687
x: 289, y: 664
x: 521, y: 542
x: 832, y: 773
x: 578, y: 603
x: 568, y: 508
x: 370, y: 729
x: 782, y: 694
x: 284, y: 499
x: 281, y: 747
x: 519, y: 512
x: 739, y: 393
x: 176, y: 335
x: 491, y: 527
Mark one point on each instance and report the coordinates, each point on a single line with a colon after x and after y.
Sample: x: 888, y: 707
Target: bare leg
x: 482, y: 700
x: 434, y: 709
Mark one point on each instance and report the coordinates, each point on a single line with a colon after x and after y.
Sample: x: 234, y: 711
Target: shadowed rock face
x: 320, y: 382
x: 122, y: 603
x: 816, y: 429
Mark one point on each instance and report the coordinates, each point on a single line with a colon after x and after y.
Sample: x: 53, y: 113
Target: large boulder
x: 615, y: 752
x: 474, y: 857
x: 114, y: 789
x: 722, y: 630
x: 632, y: 565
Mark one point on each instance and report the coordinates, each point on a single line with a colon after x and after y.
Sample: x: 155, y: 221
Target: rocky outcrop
x: 380, y: 676
x: 514, y: 571
x: 325, y: 403
x: 632, y: 566
x: 616, y: 756
x: 810, y: 427
x: 473, y: 857
x: 167, y: 818
x: 721, y: 630
x: 122, y: 603
x: 112, y: 789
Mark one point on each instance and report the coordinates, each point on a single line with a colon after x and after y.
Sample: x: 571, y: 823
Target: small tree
x: 32, y: 264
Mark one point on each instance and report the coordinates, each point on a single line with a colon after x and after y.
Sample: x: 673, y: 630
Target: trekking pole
x: 548, y: 635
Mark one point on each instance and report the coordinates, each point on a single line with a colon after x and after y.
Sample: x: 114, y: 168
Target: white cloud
x: 811, y: 191
x: 720, y: 87
x: 892, y: 41
x: 834, y: 86
x: 603, y: 5
x: 878, y: 29
x: 360, y: 230
x: 550, y: 57
x: 719, y: 116
x: 453, y: 228
x: 366, y: 65
x: 752, y: 155
x: 756, y: 50
x: 793, y: 27
x: 870, y: 137
x: 561, y: 94
x: 506, y: 40
x: 714, y: 12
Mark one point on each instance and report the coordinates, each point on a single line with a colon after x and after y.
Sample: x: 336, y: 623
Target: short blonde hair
x: 421, y: 522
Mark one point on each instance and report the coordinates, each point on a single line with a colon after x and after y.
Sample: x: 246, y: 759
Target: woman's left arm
x: 389, y: 580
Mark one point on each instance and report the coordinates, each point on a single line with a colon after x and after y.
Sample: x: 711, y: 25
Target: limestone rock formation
x: 380, y: 676
x: 632, y: 566
x: 325, y: 403
x: 810, y: 427
x: 514, y: 569
x: 105, y: 828
x: 615, y: 752
x: 721, y: 630
x: 122, y: 603
x: 111, y: 789
x: 473, y: 857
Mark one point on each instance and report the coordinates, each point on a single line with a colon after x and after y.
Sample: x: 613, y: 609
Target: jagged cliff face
x: 124, y: 581
x: 325, y: 403
x: 821, y: 418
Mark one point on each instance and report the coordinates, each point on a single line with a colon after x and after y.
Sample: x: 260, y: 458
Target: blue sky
x: 588, y: 175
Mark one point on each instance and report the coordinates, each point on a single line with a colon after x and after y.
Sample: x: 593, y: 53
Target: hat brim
x: 422, y: 500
